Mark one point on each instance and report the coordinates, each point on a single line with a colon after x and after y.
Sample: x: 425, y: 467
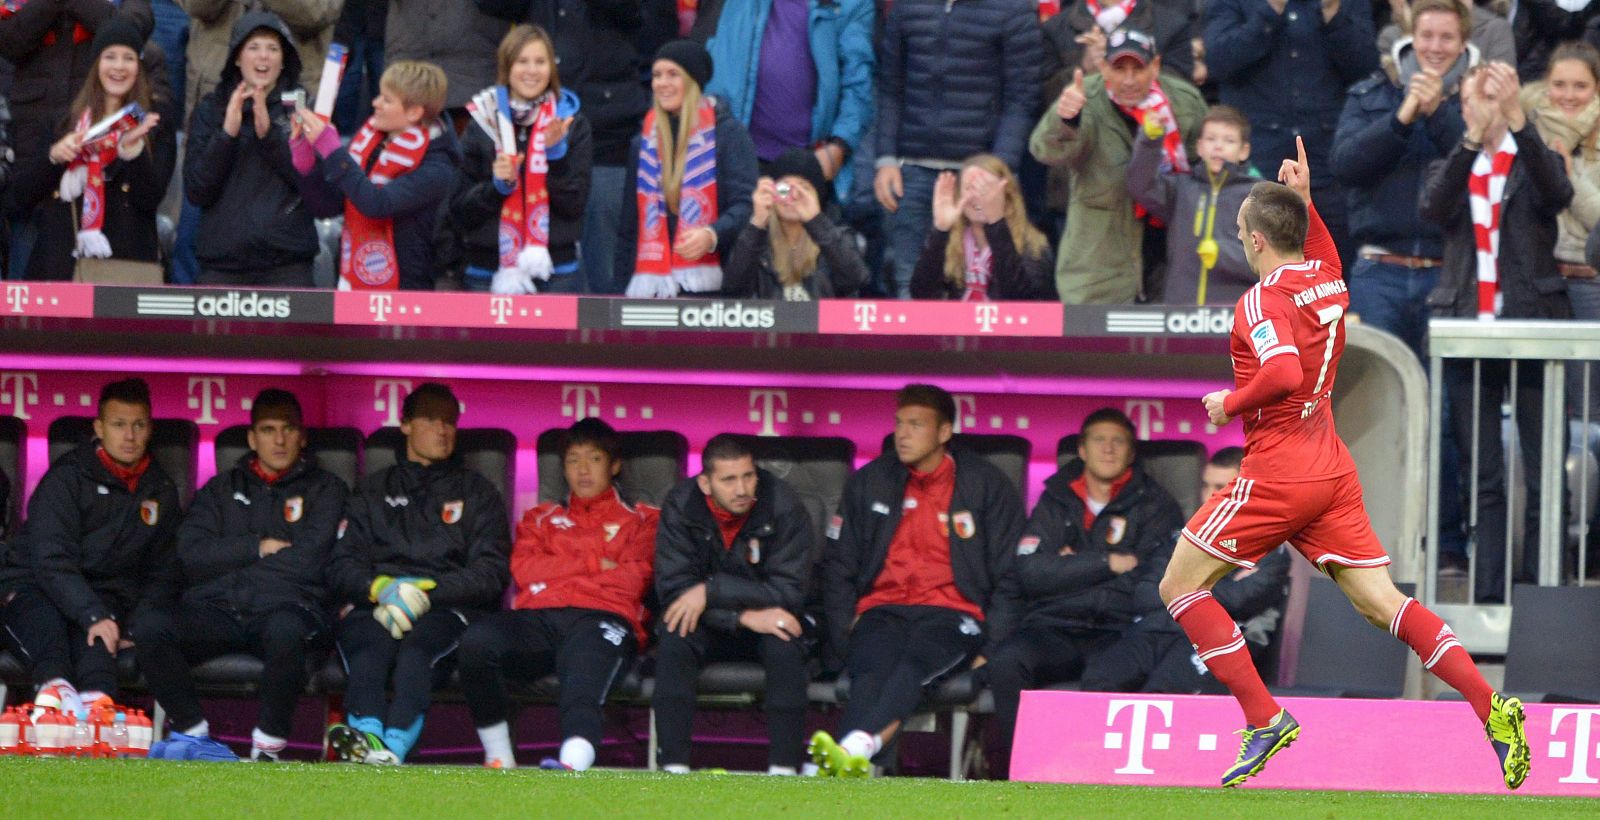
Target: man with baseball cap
x: 1090, y: 132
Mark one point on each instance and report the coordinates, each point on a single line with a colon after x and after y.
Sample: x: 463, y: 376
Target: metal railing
x: 1528, y: 349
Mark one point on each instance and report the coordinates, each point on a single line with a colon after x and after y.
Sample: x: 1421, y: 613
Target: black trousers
x: 411, y: 666
x: 586, y: 648
x: 1162, y: 662
x: 899, y: 653
x: 51, y: 645
x: 678, y: 663
x: 169, y: 642
x: 1037, y: 655
x: 1489, y: 538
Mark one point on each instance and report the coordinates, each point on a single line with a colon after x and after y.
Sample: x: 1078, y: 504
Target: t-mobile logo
x: 1138, y: 737
x: 1583, y: 748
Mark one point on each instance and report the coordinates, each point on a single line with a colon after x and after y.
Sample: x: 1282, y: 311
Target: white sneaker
x: 382, y: 757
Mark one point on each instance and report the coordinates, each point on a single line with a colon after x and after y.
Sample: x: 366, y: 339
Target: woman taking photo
x: 520, y: 209
x: 982, y: 247
x: 689, y: 183
x: 790, y: 249
x: 97, y: 190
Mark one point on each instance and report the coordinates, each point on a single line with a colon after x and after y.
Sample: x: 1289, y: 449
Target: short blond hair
x: 417, y: 83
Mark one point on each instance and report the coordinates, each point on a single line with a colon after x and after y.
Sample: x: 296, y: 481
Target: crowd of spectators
x: 792, y: 149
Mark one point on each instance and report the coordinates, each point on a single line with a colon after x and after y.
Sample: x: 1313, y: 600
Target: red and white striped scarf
x: 1157, y: 105
x: 525, y: 212
x: 1108, y: 18
x: 979, y: 266
x: 367, y: 258
x: 1486, y: 191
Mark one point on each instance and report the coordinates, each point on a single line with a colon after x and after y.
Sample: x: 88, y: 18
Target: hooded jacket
x: 219, y: 543
x: 869, y: 513
x: 212, y: 30
x: 770, y: 564
x: 557, y: 560
x: 96, y: 549
x: 253, y: 215
x: 1382, y: 164
x: 1193, y: 210
x: 1062, y: 568
x: 443, y: 522
x: 475, y: 209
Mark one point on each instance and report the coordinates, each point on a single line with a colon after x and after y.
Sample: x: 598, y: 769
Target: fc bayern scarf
x: 659, y: 273
x: 979, y: 266
x: 1108, y: 18
x: 367, y: 259
x: 1486, y: 190
x: 86, y: 177
x: 1157, y: 105
x: 525, y: 214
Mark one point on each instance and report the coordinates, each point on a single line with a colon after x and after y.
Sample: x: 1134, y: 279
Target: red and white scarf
x: 86, y: 177
x: 1486, y: 190
x: 525, y: 215
x: 1157, y: 105
x: 1108, y: 18
x: 979, y: 263
x: 367, y: 259
x: 658, y: 272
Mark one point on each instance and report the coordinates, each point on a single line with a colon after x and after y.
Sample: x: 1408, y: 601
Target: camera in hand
x: 785, y: 190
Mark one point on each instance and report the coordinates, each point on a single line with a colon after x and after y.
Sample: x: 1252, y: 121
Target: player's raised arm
x: 1296, y: 174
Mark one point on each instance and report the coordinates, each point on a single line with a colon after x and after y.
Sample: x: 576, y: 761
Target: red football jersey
x: 1298, y: 310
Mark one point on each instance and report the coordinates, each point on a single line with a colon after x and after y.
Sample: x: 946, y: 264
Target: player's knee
x: 1173, y: 588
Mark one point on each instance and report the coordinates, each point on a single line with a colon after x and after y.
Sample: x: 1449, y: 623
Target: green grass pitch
x: 125, y: 789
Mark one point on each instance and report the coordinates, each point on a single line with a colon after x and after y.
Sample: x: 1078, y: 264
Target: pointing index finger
x: 1300, y: 148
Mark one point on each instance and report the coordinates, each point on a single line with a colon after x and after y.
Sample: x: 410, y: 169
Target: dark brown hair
x: 511, y: 47
x: 1229, y: 116
x: 933, y: 397
x: 1278, y: 214
x: 92, y: 96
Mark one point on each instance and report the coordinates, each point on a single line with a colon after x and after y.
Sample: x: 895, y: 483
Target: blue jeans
x: 363, y: 66
x: 1394, y: 299
x: 23, y: 235
x: 185, y: 267
x: 172, y: 34
x: 602, y: 219
x: 907, y: 228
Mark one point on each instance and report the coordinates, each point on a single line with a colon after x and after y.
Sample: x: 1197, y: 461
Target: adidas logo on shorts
x: 1231, y: 544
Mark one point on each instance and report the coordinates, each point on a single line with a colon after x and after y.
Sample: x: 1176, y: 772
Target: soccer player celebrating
x: 423, y: 551
x: 96, y: 549
x: 917, y: 578
x: 253, y: 550
x: 582, y: 568
x: 734, y: 559
x: 1298, y: 482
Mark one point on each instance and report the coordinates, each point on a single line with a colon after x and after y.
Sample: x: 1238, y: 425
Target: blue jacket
x: 1288, y: 73
x: 957, y: 78
x: 1383, y: 165
x: 841, y: 47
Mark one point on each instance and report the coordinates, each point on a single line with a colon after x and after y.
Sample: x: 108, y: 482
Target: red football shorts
x: 1324, y: 520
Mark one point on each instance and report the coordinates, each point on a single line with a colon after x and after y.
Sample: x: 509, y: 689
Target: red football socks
x: 1433, y: 641
x: 1221, y: 647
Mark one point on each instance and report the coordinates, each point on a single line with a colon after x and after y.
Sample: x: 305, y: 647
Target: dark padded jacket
x: 869, y: 513
x: 596, y: 46
x: 771, y: 562
x: 1536, y: 191
x: 219, y: 544
x: 1078, y: 588
x: 443, y: 522
x: 252, y: 214
x: 957, y: 78
x: 94, y: 548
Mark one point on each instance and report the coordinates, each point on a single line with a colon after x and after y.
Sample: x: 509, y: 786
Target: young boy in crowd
x: 1199, y: 206
x: 396, y: 172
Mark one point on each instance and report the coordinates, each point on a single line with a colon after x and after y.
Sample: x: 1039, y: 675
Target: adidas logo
x: 1231, y: 544
x: 1444, y: 631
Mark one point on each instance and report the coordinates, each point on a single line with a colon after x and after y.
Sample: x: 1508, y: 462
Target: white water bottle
x: 119, y: 736
x: 82, y: 743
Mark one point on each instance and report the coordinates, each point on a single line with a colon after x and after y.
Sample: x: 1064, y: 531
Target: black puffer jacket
x: 252, y: 214
x: 770, y: 563
x: 443, y: 522
x: 475, y: 208
x: 1536, y: 191
x: 219, y: 544
x: 96, y: 549
x: 869, y: 512
x: 1078, y: 588
x: 957, y: 78
x: 839, y: 274
x: 595, y: 43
